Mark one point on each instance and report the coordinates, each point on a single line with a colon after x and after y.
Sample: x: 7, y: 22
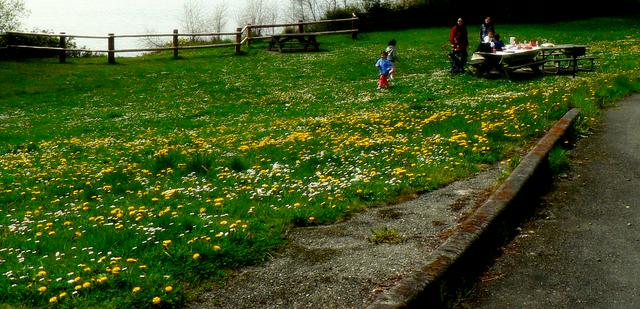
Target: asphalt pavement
x: 581, y: 249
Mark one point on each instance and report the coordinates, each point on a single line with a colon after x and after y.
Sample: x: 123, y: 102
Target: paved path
x: 582, y: 249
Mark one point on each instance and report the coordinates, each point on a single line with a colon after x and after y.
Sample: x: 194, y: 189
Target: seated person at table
x: 498, y: 43
x: 486, y: 26
x: 489, y: 43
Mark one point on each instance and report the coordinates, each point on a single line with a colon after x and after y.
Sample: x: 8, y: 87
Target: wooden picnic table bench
x: 305, y: 42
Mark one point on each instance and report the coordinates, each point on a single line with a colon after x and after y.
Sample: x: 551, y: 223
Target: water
x: 120, y: 17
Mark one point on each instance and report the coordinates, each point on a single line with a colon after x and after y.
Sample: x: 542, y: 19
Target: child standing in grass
x: 384, y: 67
x: 392, y: 55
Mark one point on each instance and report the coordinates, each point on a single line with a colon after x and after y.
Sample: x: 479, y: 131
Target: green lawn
x: 135, y: 184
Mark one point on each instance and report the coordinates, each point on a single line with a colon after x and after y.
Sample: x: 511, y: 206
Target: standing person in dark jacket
x: 459, y: 40
x: 486, y: 27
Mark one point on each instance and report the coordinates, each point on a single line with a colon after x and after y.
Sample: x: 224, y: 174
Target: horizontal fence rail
x: 242, y: 36
x: 111, y: 39
x: 249, y: 34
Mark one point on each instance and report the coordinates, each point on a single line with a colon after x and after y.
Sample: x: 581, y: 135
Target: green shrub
x: 35, y: 39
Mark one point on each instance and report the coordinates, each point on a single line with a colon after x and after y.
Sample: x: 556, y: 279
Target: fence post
x: 249, y: 35
x: 300, y: 26
x: 354, y: 26
x: 238, y: 39
x: 111, y: 47
x: 175, y: 43
x: 63, y: 43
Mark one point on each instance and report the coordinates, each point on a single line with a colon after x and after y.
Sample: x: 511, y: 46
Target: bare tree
x: 193, y: 19
x: 296, y: 10
x: 314, y: 9
x: 272, y: 17
x: 253, y: 12
x: 330, y: 5
x: 219, y: 17
x: 305, y: 9
x: 257, y: 12
x: 10, y: 13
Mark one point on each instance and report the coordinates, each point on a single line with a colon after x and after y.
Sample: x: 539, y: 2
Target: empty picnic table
x: 307, y: 42
x: 567, y: 54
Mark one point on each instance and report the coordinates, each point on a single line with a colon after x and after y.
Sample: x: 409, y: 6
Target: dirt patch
x: 337, y: 266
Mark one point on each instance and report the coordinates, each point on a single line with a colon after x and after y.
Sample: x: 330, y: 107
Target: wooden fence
x: 242, y: 36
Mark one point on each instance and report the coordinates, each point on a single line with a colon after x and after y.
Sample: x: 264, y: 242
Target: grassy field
x: 136, y: 184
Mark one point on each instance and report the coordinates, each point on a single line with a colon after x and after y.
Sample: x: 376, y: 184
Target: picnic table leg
x: 279, y: 44
x: 304, y: 42
x: 536, y: 68
x: 505, y: 72
x: 272, y: 44
x: 316, y: 47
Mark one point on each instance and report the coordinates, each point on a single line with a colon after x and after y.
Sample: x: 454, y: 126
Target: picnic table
x: 507, y: 61
x: 566, y: 57
x: 563, y: 57
x: 306, y: 42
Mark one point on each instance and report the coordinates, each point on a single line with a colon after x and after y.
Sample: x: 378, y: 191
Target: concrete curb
x: 462, y: 254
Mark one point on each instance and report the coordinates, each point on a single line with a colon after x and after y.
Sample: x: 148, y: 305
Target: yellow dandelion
x: 312, y: 218
x: 53, y: 300
x: 216, y: 248
x: 166, y: 243
x: 62, y: 295
x: 196, y: 256
x: 42, y: 273
x: 168, y: 288
x: 156, y: 300
x: 136, y: 289
x: 42, y: 289
x: 86, y: 285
